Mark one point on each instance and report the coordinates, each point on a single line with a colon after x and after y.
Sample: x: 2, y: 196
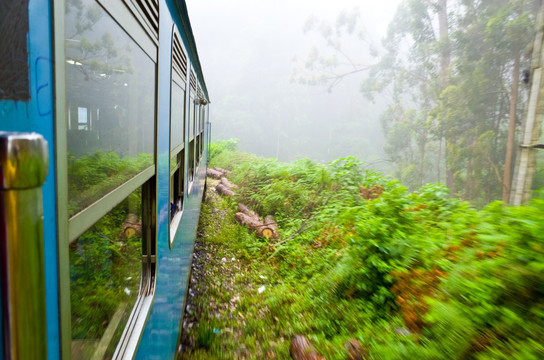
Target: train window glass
x: 177, y: 183
x: 177, y: 115
x: 177, y: 156
x: 110, y: 76
x: 105, y: 277
x: 82, y: 119
x: 191, y: 167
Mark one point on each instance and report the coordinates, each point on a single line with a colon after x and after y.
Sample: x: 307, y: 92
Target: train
x: 104, y: 143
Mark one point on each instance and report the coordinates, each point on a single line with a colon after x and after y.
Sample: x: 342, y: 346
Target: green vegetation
x: 407, y: 274
x: 92, y: 176
x: 451, y: 75
x: 105, y: 271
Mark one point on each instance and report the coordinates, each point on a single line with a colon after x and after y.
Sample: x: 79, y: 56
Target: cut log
x: 253, y: 223
x: 270, y: 222
x: 221, y: 170
x: 244, y: 209
x: 214, y: 173
x: 223, y: 190
x: 131, y: 226
x: 270, y: 230
x: 302, y: 349
x: 226, y: 183
x: 250, y: 222
x: 266, y: 232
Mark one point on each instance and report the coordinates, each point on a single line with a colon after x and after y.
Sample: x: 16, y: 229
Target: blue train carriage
x: 103, y: 146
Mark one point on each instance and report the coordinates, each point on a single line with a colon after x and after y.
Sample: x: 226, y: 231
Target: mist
x: 255, y: 56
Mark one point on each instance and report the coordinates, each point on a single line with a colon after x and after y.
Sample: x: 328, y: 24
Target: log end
x: 268, y: 233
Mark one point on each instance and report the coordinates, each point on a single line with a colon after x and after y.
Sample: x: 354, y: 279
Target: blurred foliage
x: 92, y: 176
x: 408, y: 274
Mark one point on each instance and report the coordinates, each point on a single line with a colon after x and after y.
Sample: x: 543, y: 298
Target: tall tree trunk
x: 445, y: 59
x: 526, y: 166
x: 507, y: 177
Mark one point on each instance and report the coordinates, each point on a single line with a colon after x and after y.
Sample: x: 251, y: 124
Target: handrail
x: 23, y: 168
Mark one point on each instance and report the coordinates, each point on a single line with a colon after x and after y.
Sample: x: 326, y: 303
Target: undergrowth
x: 407, y: 274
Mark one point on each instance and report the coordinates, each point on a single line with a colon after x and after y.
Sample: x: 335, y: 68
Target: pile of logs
x: 267, y: 228
x: 224, y: 187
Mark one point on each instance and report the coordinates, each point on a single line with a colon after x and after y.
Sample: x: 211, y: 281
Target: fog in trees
x: 255, y: 55
x: 423, y: 90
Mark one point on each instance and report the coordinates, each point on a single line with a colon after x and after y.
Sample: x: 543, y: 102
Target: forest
x: 362, y: 268
x: 456, y: 77
x: 440, y: 95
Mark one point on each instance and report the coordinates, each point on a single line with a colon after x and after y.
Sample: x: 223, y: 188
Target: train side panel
x: 66, y: 104
x: 36, y: 115
x: 161, y: 333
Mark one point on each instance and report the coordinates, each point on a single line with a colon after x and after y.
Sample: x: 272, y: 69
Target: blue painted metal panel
x: 37, y: 116
x: 173, y: 264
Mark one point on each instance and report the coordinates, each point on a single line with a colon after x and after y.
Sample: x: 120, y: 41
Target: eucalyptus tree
x: 451, y: 71
x: 480, y: 105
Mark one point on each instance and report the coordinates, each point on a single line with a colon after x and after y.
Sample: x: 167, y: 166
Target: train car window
x: 191, y: 130
x: 105, y: 279
x: 177, y: 157
x: 177, y: 132
x: 201, y: 128
x: 177, y: 118
x: 191, y: 167
x: 109, y: 110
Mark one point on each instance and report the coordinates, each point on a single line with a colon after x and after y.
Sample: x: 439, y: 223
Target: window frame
x: 179, y: 151
x: 70, y: 228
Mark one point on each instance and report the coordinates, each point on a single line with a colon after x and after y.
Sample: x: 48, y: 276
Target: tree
x: 451, y: 70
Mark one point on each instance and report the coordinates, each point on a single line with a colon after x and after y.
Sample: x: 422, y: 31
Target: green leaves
x: 471, y: 280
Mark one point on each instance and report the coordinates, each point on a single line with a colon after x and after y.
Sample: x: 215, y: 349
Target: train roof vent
x: 193, y: 81
x: 179, y: 59
x: 147, y: 12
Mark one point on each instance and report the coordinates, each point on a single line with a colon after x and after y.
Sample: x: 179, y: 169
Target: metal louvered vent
x: 147, y: 12
x: 193, y: 81
x: 199, y: 92
x: 179, y: 59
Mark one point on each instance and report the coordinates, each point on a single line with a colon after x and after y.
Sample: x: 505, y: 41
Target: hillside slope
x: 362, y: 269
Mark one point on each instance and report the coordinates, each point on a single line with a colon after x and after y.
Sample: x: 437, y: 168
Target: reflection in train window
x: 105, y: 274
x: 82, y: 119
x: 110, y: 114
x: 177, y: 122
